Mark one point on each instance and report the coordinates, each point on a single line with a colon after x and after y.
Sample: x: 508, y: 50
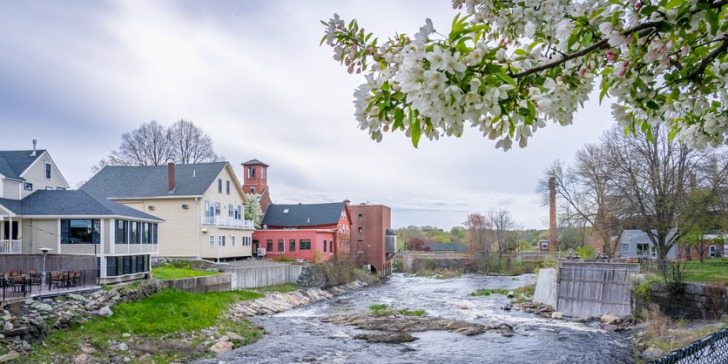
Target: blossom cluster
x: 509, y: 68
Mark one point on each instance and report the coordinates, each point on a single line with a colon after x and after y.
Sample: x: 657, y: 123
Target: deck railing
x: 220, y: 221
x: 10, y: 247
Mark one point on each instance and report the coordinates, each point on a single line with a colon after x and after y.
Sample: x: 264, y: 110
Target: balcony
x: 10, y: 247
x: 227, y: 222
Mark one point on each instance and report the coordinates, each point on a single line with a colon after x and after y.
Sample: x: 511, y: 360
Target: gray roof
x: 153, y: 181
x: 301, y: 215
x: 15, y: 162
x: 633, y: 236
x: 70, y: 203
x: 254, y: 161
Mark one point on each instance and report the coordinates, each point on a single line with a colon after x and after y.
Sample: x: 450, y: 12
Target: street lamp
x: 43, y: 272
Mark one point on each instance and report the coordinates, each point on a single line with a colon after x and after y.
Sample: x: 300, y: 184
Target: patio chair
x: 33, y: 278
x: 56, y: 279
x: 74, y: 278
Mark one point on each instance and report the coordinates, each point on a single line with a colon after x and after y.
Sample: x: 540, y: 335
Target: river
x: 298, y: 336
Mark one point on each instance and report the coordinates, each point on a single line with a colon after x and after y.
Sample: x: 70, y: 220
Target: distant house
x: 372, y: 242
x: 202, y: 205
x: 255, y: 181
x: 545, y: 246
x: 305, y: 231
x: 636, y: 244
x: 38, y: 212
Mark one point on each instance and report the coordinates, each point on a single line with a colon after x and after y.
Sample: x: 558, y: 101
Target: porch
x: 228, y: 222
x: 10, y: 246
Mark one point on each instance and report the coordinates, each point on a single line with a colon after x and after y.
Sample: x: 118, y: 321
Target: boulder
x: 387, y: 338
x: 105, y: 311
x: 652, y: 353
x: 222, y: 347
x: 557, y: 315
x: 12, y: 355
x: 611, y: 319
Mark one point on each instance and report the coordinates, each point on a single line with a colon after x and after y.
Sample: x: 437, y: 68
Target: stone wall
x: 691, y: 300
x: 330, y: 274
x: 428, y: 264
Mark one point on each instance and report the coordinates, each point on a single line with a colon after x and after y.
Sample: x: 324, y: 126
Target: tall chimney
x: 552, y: 213
x: 170, y: 172
x: 34, y: 143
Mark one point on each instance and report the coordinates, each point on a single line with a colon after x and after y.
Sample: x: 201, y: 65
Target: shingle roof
x: 15, y: 162
x: 70, y: 203
x: 301, y: 215
x: 153, y: 181
x: 254, y: 161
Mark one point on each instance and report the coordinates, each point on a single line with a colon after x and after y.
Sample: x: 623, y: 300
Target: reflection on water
x: 297, y: 336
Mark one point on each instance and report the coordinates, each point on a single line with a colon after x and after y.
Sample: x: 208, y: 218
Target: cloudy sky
x: 77, y: 74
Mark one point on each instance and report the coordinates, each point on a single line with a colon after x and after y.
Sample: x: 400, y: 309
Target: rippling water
x: 298, y: 336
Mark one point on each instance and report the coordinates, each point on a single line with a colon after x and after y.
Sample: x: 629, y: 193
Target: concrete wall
x: 253, y: 277
x: 217, y: 283
x: 547, y: 288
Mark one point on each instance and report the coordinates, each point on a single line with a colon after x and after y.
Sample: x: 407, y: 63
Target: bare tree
x: 502, y: 224
x: 481, y: 239
x: 190, y: 144
x: 152, y: 145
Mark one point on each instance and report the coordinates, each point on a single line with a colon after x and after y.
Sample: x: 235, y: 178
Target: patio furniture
x: 33, y: 278
x: 74, y: 278
x: 57, y: 279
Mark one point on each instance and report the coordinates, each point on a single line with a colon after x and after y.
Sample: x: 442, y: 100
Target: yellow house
x: 202, y: 206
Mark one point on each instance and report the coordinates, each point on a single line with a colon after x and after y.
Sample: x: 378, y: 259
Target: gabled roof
x: 14, y: 162
x: 70, y: 203
x: 301, y: 215
x: 633, y: 236
x: 153, y: 181
x: 255, y: 161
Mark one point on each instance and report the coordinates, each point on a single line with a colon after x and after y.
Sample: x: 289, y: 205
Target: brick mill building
x: 373, y: 244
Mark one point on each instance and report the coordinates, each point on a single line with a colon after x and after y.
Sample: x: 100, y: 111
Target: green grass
x: 383, y: 309
x: 488, y: 292
x: 282, y: 288
x: 169, y: 272
x: 710, y: 271
x: 156, y: 324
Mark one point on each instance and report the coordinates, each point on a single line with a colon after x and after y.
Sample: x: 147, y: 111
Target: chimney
x: 34, y: 143
x: 552, y: 213
x: 170, y: 172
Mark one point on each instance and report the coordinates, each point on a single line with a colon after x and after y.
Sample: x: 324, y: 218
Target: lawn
x: 165, y: 327
x: 710, y: 271
x: 169, y: 272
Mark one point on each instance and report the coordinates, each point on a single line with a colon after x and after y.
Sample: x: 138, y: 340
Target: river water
x: 298, y: 336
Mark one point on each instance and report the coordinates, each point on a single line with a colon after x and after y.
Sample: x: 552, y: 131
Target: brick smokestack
x: 170, y: 172
x: 552, y: 213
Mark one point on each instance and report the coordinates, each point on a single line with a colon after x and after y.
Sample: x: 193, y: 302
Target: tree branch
x: 711, y: 56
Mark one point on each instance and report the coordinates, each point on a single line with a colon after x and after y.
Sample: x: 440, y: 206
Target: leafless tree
x: 481, y: 240
x: 190, y: 144
x: 503, y: 225
x: 152, y: 144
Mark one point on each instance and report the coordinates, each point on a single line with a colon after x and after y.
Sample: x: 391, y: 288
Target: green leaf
x: 416, y: 132
x: 524, y: 111
x: 711, y: 16
x: 398, y: 119
x: 673, y: 3
x: 652, y: 105
x: 507, y: 78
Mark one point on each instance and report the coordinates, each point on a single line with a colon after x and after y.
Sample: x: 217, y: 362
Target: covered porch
x: 10, y: 233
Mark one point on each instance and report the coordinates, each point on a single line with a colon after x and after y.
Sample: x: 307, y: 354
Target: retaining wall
x: 216, y: 283
x: 693, y: 300
x: 263, y: 276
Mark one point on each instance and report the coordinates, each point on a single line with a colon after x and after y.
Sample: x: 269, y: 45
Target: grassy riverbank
x: 172, y: 326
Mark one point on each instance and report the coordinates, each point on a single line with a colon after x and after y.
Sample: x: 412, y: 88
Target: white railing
x: 220, y: 221
x: 10, y: 247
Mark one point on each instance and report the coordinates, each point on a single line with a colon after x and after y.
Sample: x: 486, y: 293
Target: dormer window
x: 285, y: 211
x: 28, y: 186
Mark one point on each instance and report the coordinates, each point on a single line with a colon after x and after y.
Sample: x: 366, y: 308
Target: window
x: 360, y: 216
x: 28, y: 186
x: 80, y: 231
x: 145, y: 233
x: 60, y: 188
x: 208, y: 209
x: 281, y: 245
x: 252, y: 189
x: 232, y: 241
x: 48, y: 170
x: 643, y: 250
x: 304, y: 244
x: 324, y: 246
x: 292, y: 245
x: 231, y: 210
x: 269, y: 245
x: 122, y: 232
x: 361, y: 229
x: 217, y: 209
x: 212, y: 241
x: 49, y: 188
x: 227, y: 187
x: 219, y: 185
x: 262, y: 173
x: 221, y: 241
x: 544, y: 244
x: 251, y: 172
x: 331, y: 246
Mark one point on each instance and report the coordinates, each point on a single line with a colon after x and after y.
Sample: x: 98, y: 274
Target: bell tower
x: 255, y: 180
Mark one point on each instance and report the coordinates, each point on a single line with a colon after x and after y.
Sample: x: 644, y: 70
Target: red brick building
x: 369, y: 226
x: 312, y: 232
x: 255, y: 180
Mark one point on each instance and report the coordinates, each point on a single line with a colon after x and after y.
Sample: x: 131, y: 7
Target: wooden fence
x: 594, y: 289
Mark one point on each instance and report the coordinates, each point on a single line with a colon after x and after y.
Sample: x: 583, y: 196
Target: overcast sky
x: 77, y: 74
